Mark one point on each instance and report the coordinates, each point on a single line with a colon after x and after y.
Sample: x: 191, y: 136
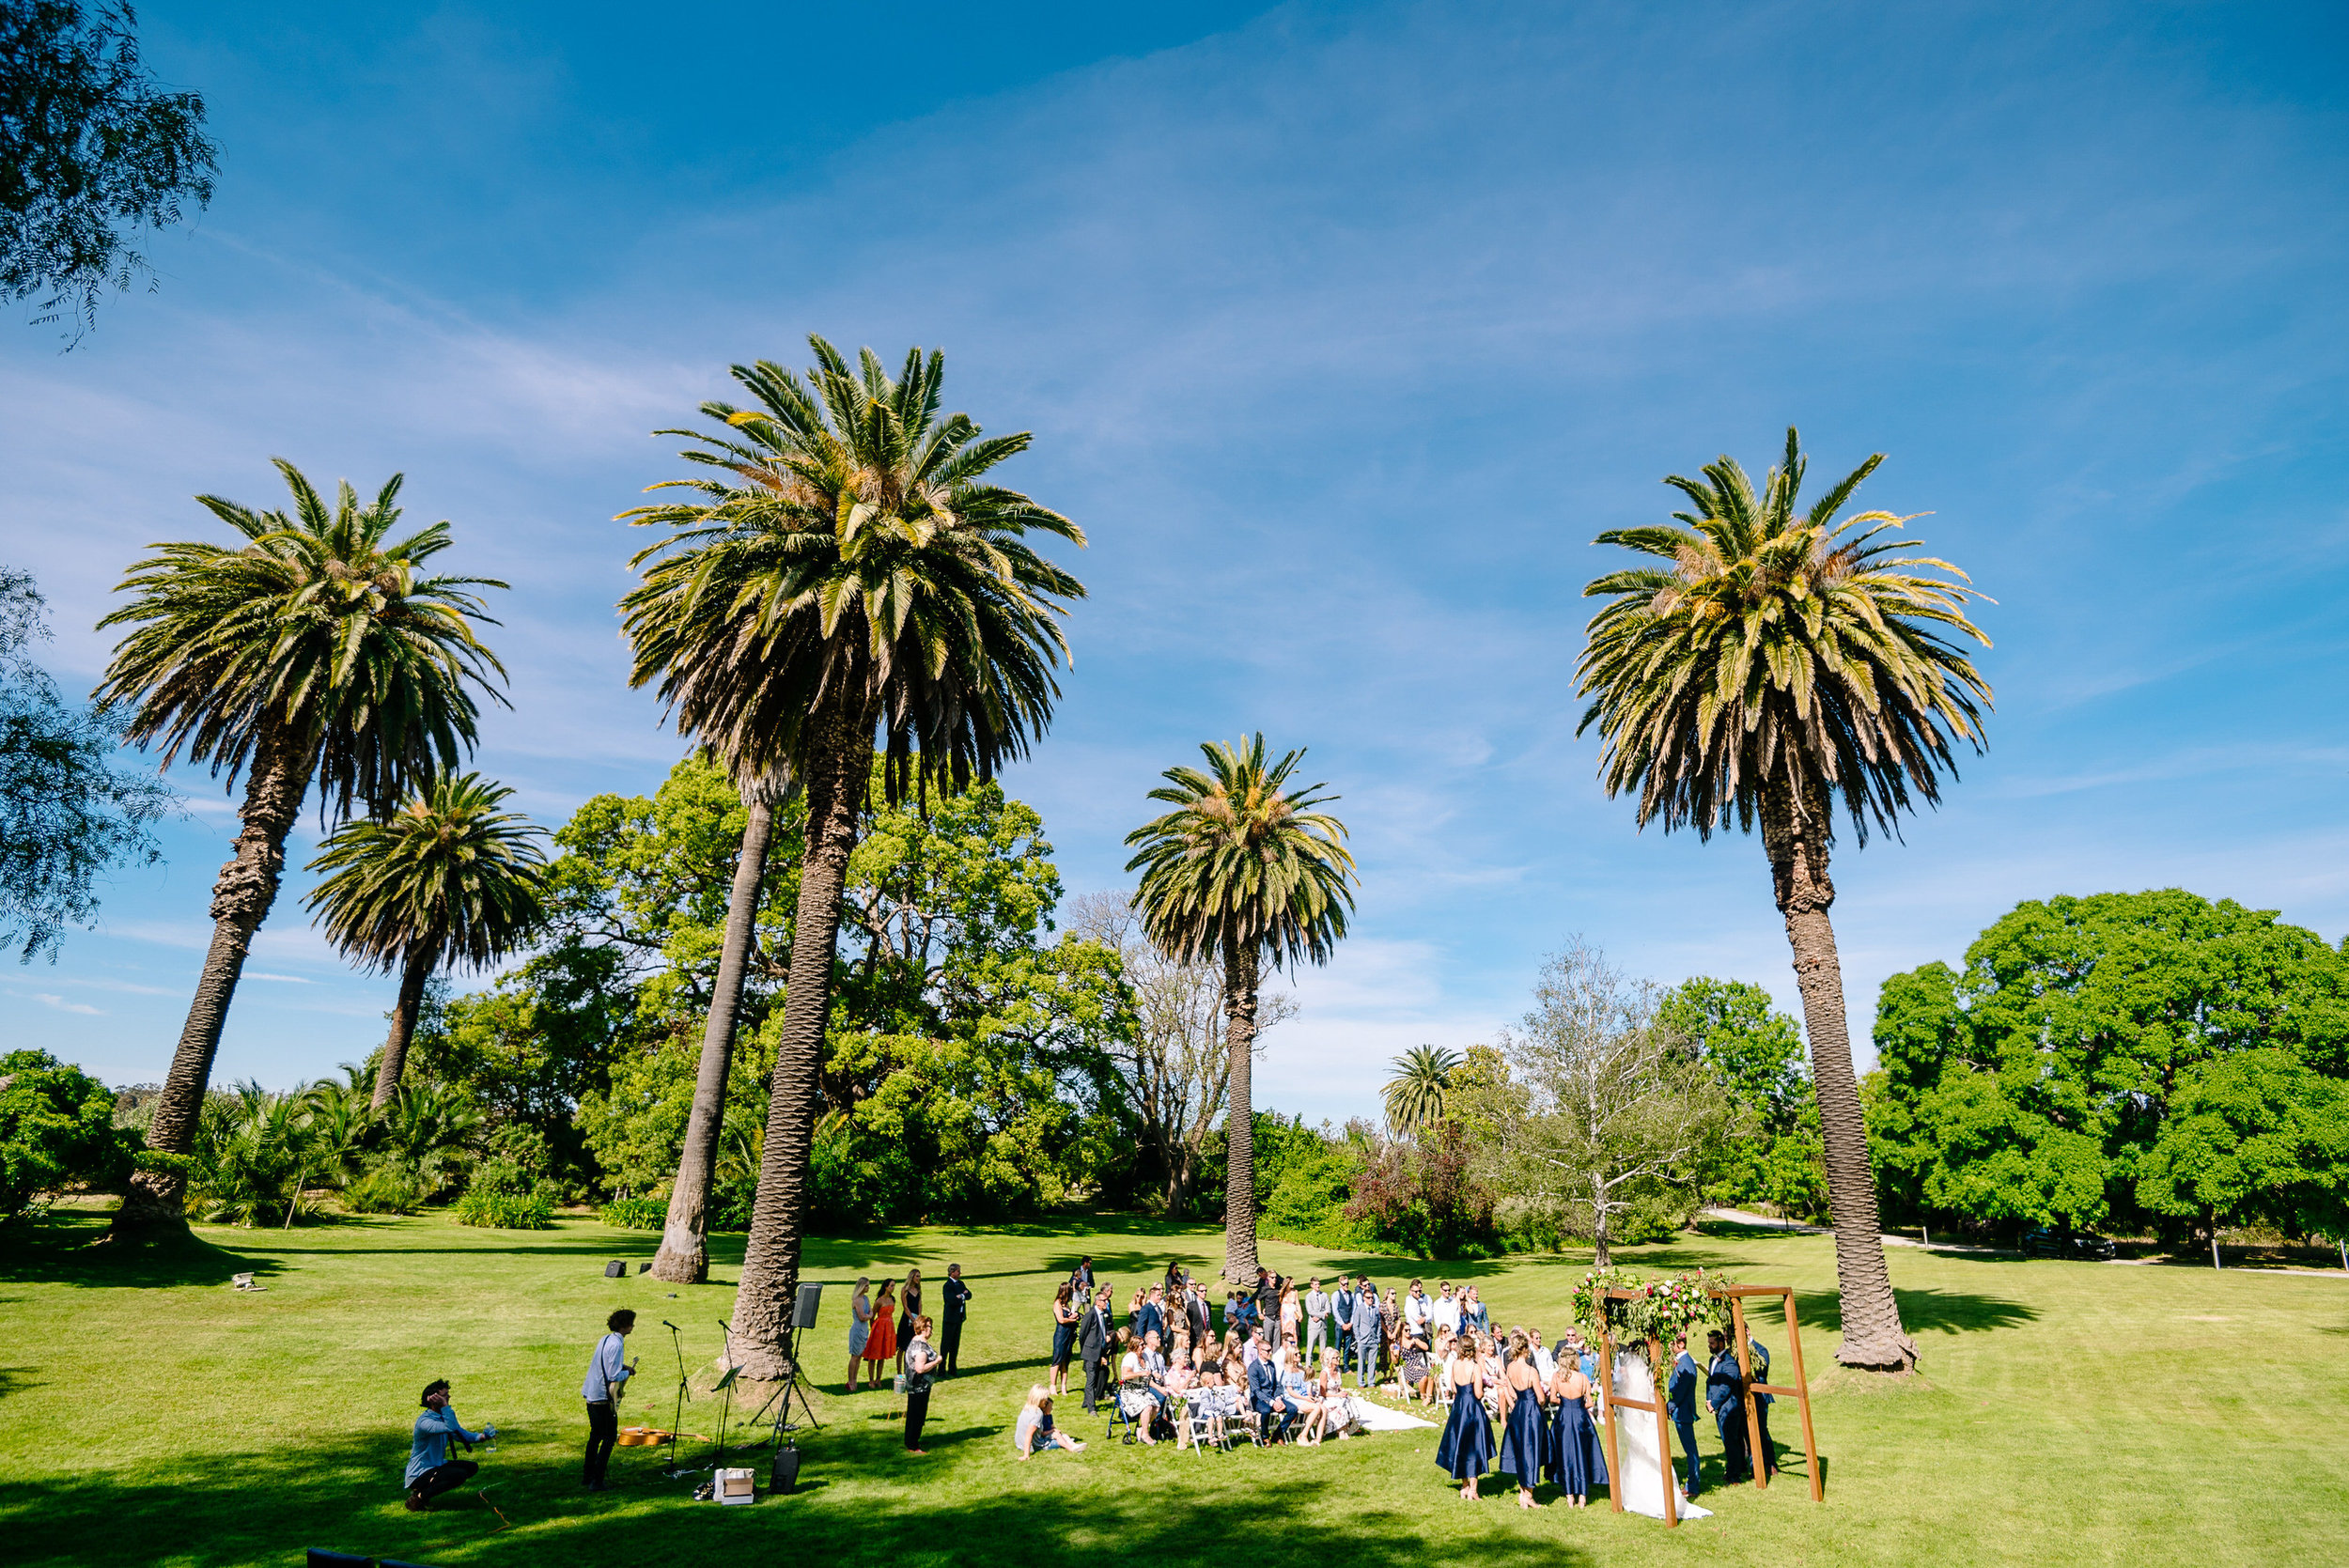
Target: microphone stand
x: 672, y: 1470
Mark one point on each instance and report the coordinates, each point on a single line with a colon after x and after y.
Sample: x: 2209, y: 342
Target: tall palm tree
x: 846, y: 574
x: 1242, y: 869
x: 447, y: 877
x: 1782, y: 661
x: 684, y: 1254
x: 1415, y: 1096
x: 315, y: 650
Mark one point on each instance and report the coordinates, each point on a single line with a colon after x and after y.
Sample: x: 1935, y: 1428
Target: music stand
x: 672, y: 1470
x: 804, y: 1306
x: 724, y: 1386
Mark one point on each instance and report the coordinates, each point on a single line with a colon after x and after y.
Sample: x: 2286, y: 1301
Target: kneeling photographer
x: 430, y: 1470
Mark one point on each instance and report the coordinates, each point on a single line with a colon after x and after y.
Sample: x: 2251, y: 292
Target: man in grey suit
x: 1317, y: 1325
x: 1366, y: 1335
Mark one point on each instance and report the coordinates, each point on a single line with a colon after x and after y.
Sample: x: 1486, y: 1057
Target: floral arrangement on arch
x: 1657, y: 1309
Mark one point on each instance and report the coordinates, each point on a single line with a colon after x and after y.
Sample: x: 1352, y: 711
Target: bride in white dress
x: 1639, y: 1478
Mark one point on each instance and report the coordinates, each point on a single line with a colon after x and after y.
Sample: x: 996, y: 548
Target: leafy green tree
x: 1773, y: 1156
x: 448, y: 877
x: 2254, y: 1135
x: 66, y: 812
x: 56, y: 1128
x: 2030, y: 1087
x: 844, y: 573
x: 1605, y: 1123
x: 1782, y: 661
x: 318, y: 649
x: 92, y: 150
x: 1242, y: 869
x: 1415, y: 1094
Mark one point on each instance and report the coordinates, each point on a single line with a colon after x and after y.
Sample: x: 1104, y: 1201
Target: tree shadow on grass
x: 864, y: 1500
x: 64, y: 1250
x: 1944, y: 1312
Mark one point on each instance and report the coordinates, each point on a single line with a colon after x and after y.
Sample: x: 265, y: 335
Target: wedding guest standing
x: 1317, y: 1325
x: 859, y: 1325
x: 1366, y: 1336
x: 1465, y: 1450
x: 957, y: 1296
x: 1065, y: 1314
x: 1574, y: 1459
x: 1724, y: 1394
x: 1196, y: 1306
x: 1682, y: 1399
x: 1092, y: 1344
x: 1390, y: 1330
x: 922, y: 1364
x: 880, y: 1346
x: 1342, y: 1308
x: 911, y: 1308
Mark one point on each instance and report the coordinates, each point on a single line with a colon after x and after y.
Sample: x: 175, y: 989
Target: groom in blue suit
x: 1682, y: 1399
x: 1725, y: 1394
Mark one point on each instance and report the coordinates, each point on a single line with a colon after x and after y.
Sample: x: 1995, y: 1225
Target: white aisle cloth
x: 1639, y: 1479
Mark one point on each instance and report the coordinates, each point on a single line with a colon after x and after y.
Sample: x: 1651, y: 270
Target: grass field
x: 2068, y: 1413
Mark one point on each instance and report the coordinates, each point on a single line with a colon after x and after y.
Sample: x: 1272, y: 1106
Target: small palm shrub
x: 636, y: 1214
x: 383, y: 1191
x: 503, y: 1196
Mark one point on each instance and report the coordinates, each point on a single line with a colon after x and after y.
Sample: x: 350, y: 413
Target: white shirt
x: 1545, y: 1362
x: 1448, y: 1313
x: 1415, y: 1309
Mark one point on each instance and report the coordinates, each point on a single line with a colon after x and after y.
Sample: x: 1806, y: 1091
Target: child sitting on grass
x: 1034, y: 1434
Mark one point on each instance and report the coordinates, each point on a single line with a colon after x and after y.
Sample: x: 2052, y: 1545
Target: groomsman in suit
x: 957, y: 1308
x: 1151, y: 1319
x: 1093, y: 1342
x: 1724, y: 1392
x: 1762, y: 1402
x: 1682, y: 1398
x: 1341, y: 1305
x: 1316, y: 1328
x: 1366, y: 1334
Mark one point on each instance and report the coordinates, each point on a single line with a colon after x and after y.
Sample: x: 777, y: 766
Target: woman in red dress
x: 880, y: 1346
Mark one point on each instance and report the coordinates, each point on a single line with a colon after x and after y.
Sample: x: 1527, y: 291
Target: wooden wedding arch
x: 1800, y: 1392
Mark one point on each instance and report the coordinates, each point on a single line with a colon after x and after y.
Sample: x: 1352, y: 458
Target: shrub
x: 503, y: 1196
x: 383, y: 1191
x: 57, y: 1127
x: 636, y: 1214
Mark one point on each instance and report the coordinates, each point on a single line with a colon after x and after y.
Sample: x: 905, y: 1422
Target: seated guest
x: 1275, y: 1411
x: 430, y: 1470
x: 1419, y: 1377
x: 1032, y: 1433
x: 1338, y: 1410
x: 1135, y: 1397
x: 1298, y: 1393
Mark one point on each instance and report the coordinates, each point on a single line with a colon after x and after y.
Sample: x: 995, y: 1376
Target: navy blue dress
x: 1573, y: 1457
x: 1467, y: 1447
x: 1521, y: 1439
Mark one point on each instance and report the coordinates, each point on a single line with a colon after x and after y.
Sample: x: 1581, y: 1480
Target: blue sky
x: 1342, y: 330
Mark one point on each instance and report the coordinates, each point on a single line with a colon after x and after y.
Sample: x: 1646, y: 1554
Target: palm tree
x: 1242, y: 869
x: 684, y: 1254
x: 1782, y: 661
x: 446, y: 877
x: 1415, y: 1094
x: 315, y: 650
x: 845, y: 572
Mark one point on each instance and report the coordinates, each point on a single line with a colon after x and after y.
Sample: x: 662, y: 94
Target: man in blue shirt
x: 1686, y: 1374
x: 430, y: 1470
x: 607, y: 1375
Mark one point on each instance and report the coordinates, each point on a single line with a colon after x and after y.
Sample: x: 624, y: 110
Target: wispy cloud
x: 50, y: 998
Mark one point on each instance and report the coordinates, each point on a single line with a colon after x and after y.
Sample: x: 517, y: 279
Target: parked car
x: 2053, y: 1242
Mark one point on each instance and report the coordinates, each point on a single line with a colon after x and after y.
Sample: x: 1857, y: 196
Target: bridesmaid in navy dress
x: 1467, y: 1447
x: 1522, y: 1435
x: 1572, y: 1458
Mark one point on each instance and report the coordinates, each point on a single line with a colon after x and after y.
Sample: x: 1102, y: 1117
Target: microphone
x: 671, y: 1326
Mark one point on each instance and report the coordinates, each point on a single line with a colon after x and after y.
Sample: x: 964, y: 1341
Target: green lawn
x: 2070, y: 1413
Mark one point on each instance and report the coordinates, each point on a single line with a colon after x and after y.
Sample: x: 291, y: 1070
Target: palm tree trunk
x: 420, y: 966
x: 1239, y: 1123
x: 684, y: 1255
x: 1796, y: 841
x: 241, y: 896
x: 837, y: 780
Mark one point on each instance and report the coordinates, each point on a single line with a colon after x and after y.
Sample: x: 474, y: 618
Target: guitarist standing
x: 607, y: 1377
